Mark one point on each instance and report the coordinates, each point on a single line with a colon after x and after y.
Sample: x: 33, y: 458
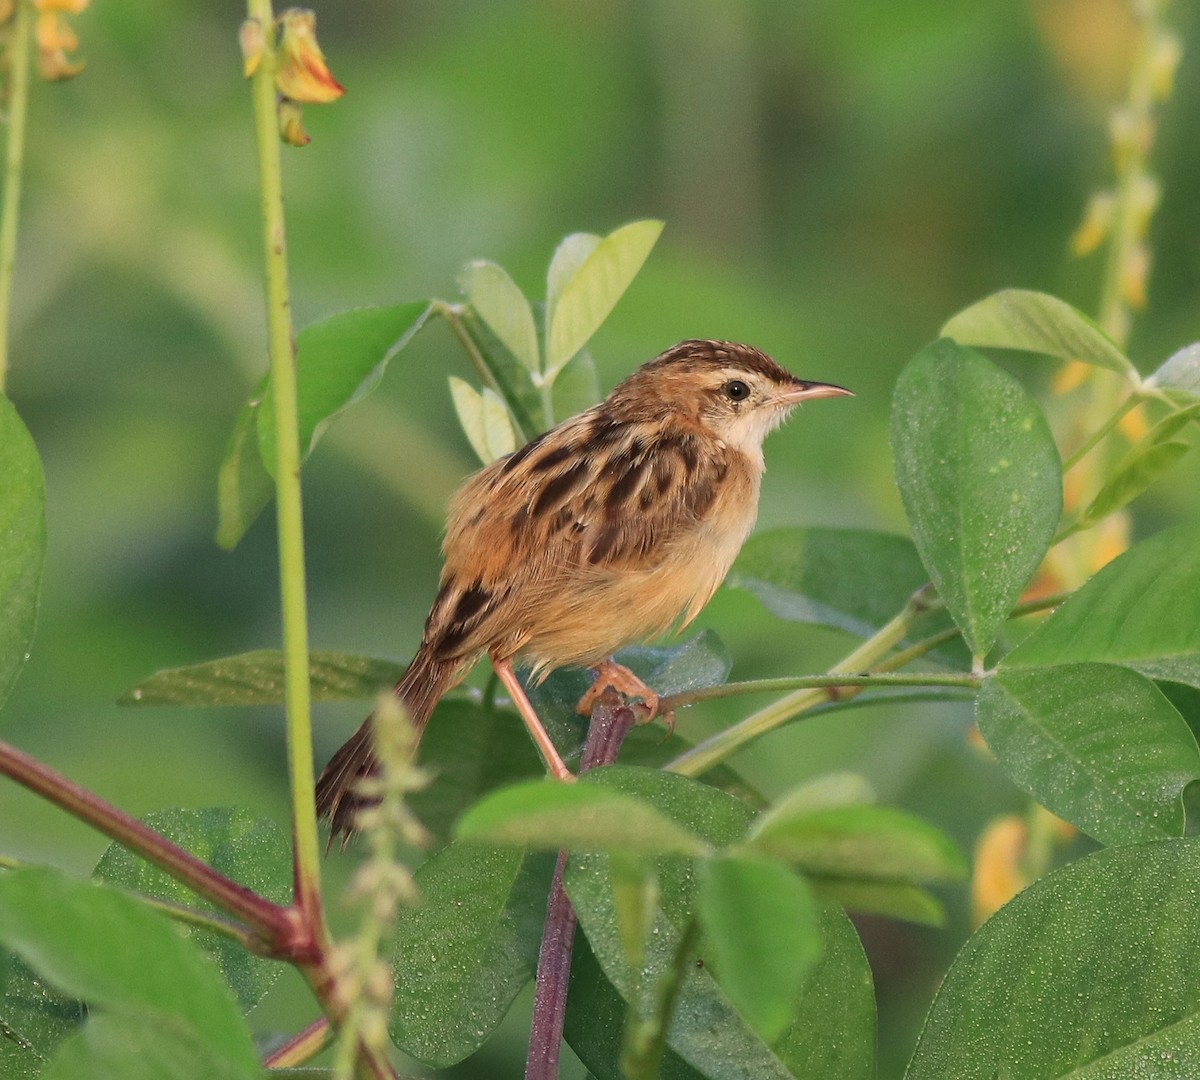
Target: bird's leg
x: 516, y: 691
x: 620, y: 678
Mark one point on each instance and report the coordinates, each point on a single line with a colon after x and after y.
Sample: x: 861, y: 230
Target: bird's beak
x: 809, y: 391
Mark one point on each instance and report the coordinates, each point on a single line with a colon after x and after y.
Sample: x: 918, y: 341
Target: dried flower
x: 303, y: 74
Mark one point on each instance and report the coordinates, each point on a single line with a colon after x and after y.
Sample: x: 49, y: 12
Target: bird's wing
x: 590, y: 498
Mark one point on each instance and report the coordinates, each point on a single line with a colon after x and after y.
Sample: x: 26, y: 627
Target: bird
x: 606, y: 530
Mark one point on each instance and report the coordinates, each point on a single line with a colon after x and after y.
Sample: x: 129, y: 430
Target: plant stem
x: 204, y: 920
x: 273, y: 924
x: 14, y: 159
x: 1091, y: 441
x: 611, y: 721
x: 702, y: 757
x: 307, y: 860
x: 642, y: 1056
x: 453, y: 314
x: 302, y: 1046
x: 801, y: 682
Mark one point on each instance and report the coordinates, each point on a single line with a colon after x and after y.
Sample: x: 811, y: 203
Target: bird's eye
x: 736, y: 390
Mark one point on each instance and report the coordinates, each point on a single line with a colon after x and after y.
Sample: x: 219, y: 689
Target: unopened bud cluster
x: 362, y: 977
x: 301, y: 76
x: 1122, y: 214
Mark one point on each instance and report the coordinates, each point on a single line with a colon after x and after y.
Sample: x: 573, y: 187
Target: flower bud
x: 291, y: 124
x: 1097, y: 219
x: 1164, y: 59
x: 252, y: 40
x: 1134, y: 273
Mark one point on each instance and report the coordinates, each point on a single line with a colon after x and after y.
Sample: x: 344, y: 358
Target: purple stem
x: 610, y: 723
x: 279, y: 928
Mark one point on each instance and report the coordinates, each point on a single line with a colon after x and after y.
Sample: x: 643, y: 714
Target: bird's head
x: 736, y: 392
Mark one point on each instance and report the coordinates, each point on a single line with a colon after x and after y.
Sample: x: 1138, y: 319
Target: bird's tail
x: 423, y: 685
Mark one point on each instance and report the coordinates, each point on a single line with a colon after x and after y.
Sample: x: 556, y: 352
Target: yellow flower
x: 303, y: 75
x: 55, y: 38
x: 63, y: 7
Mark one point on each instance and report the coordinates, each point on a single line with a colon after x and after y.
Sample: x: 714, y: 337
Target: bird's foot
x: 620, y: 678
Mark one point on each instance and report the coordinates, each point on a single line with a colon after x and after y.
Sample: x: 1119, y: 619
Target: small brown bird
x: 601, y: 532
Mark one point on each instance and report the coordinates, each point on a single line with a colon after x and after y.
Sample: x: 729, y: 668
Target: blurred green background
x: 837, y: 180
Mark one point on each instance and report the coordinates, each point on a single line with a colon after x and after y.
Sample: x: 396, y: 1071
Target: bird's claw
x: 620, y: 678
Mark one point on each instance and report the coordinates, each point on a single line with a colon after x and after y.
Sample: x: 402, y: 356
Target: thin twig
x: 800, y: 682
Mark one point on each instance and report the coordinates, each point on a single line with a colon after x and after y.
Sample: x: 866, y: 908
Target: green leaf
x: 509, y: 376
x: 761, y: 925
x: 594, y: 289
x: 339, y: 360
x: 581, y: 816
x: 707, y: 1032
x: 1143, y: 466
x: 981, y: 483
x: 471, y: 750
x: 244, y: 486
x: 112, y: 951
x: 253, y: 852
x: 469, y: 948
x: 1036, y: 322
x: 499, y: 303
x: 34, y: 1019
x: 484, y: 419
x: 1088, y: 973
x: 571, y: 253
x: 256, y: 678
x: 822, y: 793
x: 832, y: 1035
x: 851, y: 579
x: 22, y: 542
x: 577, y: 386
x: 1097, y: 744
x: 859, y: 842
x: 1179, y: 373
x: 142, y: 1045
x: 1142, y: 611
x: 635, y: 897
x: 891, y: 899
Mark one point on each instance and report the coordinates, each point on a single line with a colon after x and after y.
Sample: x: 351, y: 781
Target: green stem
x: 1092, y: 440
x: 453, y: 314
x: 302, y: 1047
x: 702, y: 757
x: 287, y: 482
x: 547, y: 390
x: 800, y: 682
x: 14, y: 157
x: 864, y: 667
x: 645, y: 1043
x: 205, y: 920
